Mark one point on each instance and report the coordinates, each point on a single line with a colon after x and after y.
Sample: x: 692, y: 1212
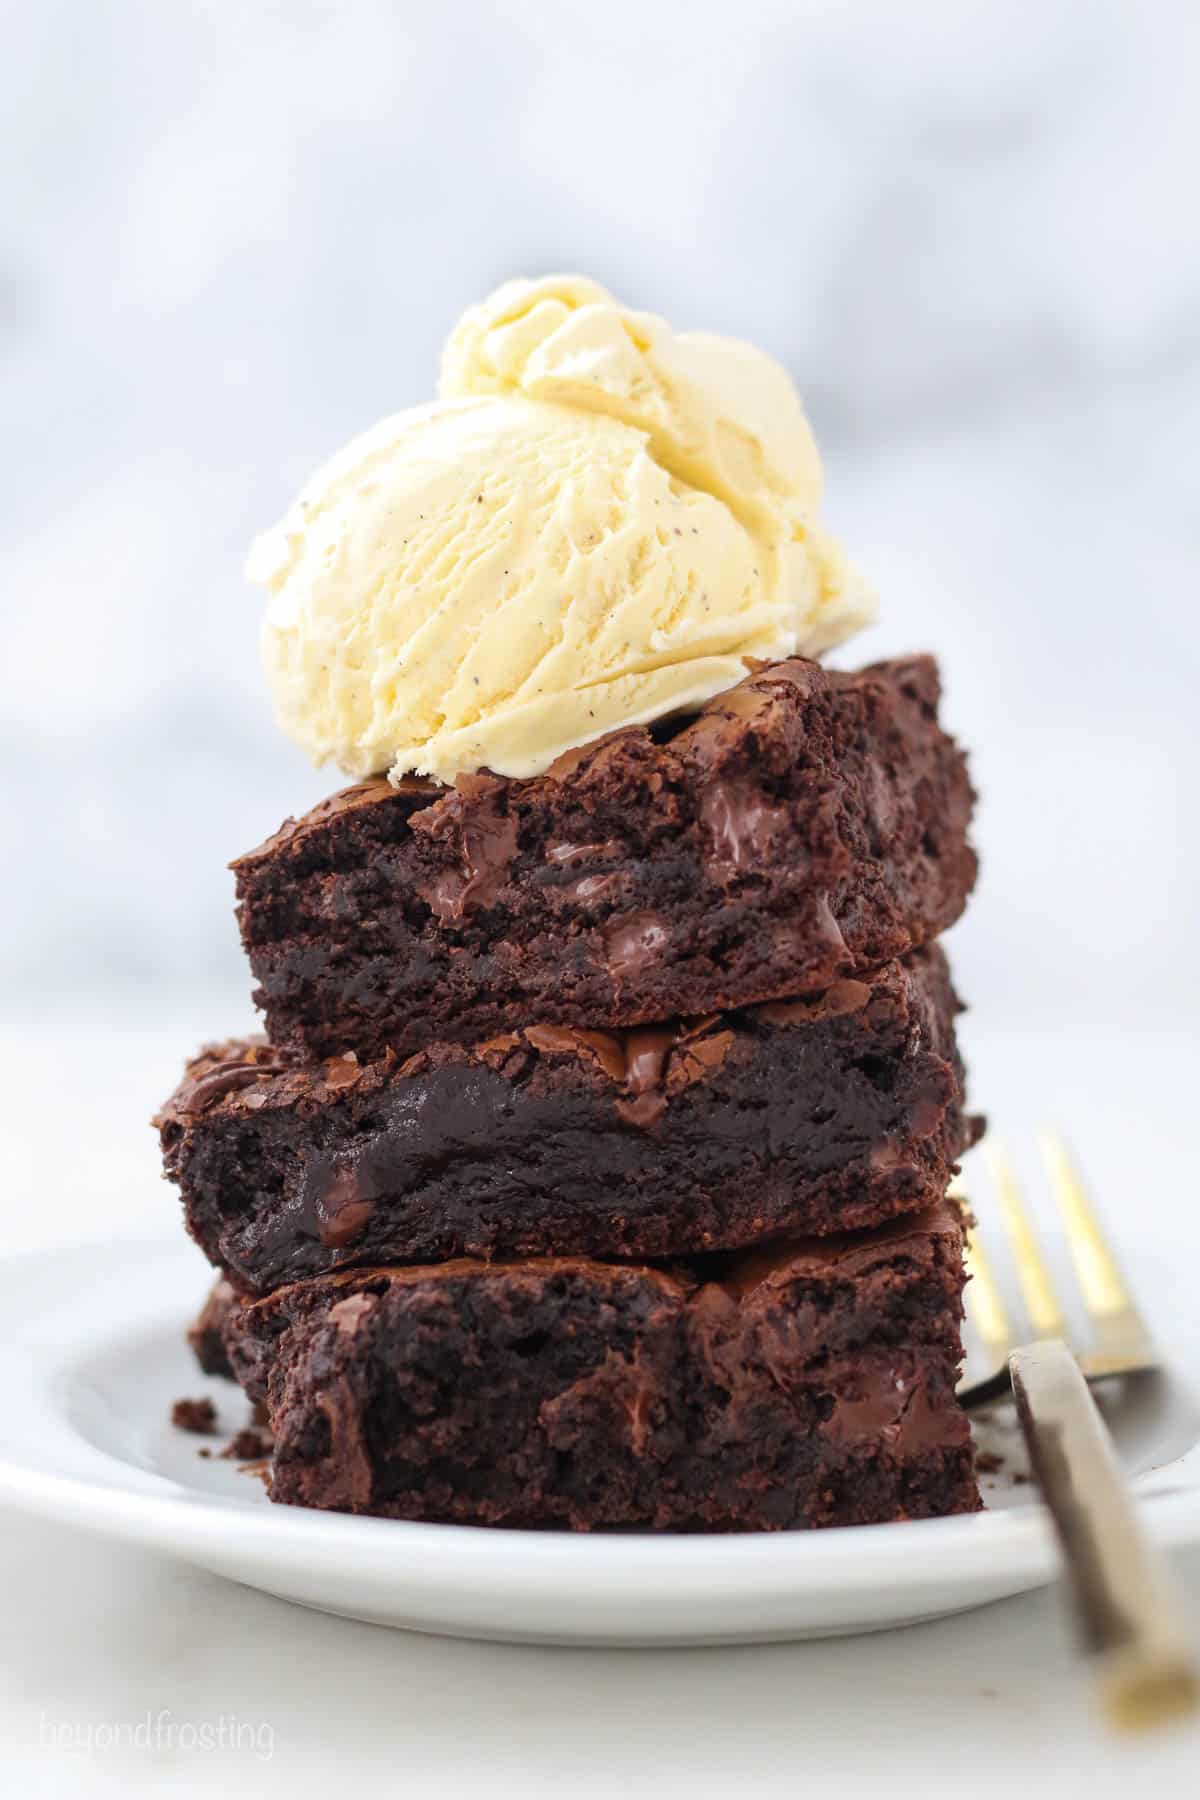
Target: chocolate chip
x: 635, y: 941
x: 573, y: 853
x: 590, y: 887
x: 742, y: 824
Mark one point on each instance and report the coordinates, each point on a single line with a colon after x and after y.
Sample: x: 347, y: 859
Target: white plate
x: 93, y: 1355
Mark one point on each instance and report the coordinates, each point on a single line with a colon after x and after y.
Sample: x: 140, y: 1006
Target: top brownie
x: 806, y: 825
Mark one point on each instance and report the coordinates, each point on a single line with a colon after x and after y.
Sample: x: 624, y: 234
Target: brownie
x: 222, y: 1345
x: 786, y: 1117
x: 804, y: 826
x: 206, y: 1335
x: 809, y: 1384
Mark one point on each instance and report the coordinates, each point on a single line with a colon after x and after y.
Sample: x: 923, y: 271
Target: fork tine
x: 987, y: 1310
x: 1095, y: 1265
x: 1122, y: 1341
x: 1045, y: 1314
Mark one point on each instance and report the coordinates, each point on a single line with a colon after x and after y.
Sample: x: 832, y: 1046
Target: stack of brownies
x: 593, y: 1171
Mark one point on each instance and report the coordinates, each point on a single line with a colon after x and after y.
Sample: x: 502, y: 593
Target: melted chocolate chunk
x: 487, y: 842
x: 646, y: 1052
x: 643, y: 1110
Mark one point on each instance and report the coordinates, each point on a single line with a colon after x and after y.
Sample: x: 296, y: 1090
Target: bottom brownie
x: 208, y: 1333
x: 811, y: 1384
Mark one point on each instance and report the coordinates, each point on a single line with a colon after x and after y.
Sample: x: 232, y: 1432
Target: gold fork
x: 1125, y: 1609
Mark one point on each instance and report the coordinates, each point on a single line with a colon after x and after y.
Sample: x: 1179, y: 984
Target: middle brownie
x: 797, y: 1117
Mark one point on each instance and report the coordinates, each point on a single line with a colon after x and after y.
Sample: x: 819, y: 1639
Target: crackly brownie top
x: 738, y: 1275
x: 642, y: 1066
x: 737, y: 722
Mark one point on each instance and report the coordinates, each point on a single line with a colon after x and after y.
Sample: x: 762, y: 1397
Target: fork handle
x: 1124, y: 1605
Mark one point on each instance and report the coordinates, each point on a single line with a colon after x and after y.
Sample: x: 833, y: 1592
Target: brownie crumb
x: 199, y: 1416
x: 989, y: 1462
x: 247, y: 1445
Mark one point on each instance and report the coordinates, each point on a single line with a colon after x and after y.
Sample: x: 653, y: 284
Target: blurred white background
x: 235, y: 234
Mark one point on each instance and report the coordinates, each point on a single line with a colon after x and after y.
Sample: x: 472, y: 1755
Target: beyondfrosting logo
x: 159, y: 1731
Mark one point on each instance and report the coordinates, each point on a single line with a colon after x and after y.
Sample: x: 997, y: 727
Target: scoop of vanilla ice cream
x: 719, y: 414
x: 596, y: 526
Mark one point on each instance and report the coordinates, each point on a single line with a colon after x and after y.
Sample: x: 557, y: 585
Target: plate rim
x: 149, y: 1508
